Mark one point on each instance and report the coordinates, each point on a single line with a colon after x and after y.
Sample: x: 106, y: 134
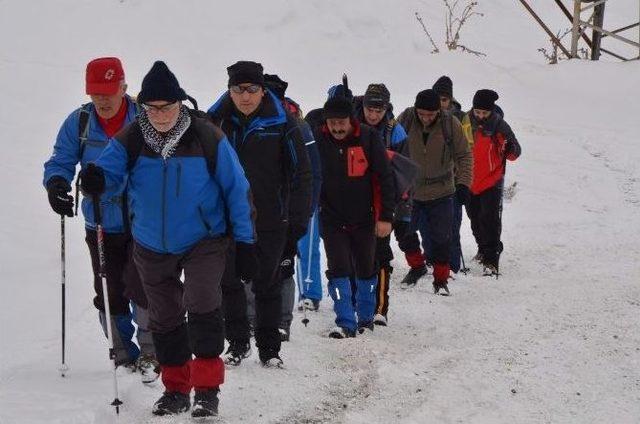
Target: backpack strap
x: 83, y: 131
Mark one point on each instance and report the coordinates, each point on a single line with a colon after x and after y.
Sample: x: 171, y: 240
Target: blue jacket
x: 66, y: 155
x: 175, y: 203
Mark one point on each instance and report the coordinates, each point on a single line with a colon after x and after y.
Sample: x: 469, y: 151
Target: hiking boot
x: 171, y: 403
x: 236, y: 352
x: 205, y: 403
x: 341, y: 333
x: 130, y: 366
x: 380, y: 319
x: 440, y: 285
x: 309, y: 305
x: 364, y: 326
x: 411, y: 279
x: 479, y: 257
x: 148, y: 367
x: 284, y: 334
x: 270, y: 358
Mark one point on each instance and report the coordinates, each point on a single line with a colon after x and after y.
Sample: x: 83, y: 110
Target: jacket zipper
x: 164, y: 190
x: 490, y: 159
x: 178, y: 182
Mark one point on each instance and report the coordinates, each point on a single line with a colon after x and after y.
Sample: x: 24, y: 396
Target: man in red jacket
x: 494, y: 143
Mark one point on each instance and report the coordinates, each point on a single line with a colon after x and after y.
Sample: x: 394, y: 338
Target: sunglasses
x: 159, y: 109
x: 251, y: 89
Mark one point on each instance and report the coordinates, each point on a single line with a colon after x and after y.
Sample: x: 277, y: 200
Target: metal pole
x: 598, y: 20
x: 575, y: 33
x: 554, y: 39
x: 63, y: 277
x: 105, y: 295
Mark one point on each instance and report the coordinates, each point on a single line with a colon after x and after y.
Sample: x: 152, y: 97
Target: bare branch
x: 454, y: 24
x: 424, y: 28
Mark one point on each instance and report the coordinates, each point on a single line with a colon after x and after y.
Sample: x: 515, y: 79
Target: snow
x: 555, y: 340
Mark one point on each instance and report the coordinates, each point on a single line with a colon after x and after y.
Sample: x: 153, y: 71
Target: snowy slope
x: 560, y: 328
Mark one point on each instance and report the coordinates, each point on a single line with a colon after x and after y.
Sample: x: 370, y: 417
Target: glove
x: 246, y: 261
x: 286, y: 267
x: 462, y: 194
x: 92, y: 180
x: 60, y: 201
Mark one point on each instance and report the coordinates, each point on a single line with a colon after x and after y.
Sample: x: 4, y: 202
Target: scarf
x: 164, y: 144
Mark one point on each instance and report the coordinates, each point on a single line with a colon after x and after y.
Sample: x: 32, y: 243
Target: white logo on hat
x: 109, y: 74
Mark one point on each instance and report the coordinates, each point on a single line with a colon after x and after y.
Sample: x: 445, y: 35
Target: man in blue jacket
x: 186, y: 186
x: 272, y: 152
x: 81, y: 139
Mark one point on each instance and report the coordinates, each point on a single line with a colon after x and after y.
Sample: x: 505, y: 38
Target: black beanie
x: 444, y: 86
x: 245, y: 72
x: 276, y: 84
x: 337, y: 107
x: 485, y: 99
x: 428, y: 100
x: 377, y: 95
x: 160, y: 84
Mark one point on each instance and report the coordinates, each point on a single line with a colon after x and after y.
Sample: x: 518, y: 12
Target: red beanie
x: 104, y: 76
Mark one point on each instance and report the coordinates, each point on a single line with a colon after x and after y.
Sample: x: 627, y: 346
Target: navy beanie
x: 485, y: 99
x: 337, y: 107
x: 160, y: 84
x: 244, y: 72
x: 444, y: 87
x: 428, y: 100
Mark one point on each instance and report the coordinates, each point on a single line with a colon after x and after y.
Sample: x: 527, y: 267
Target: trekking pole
x: 63, y: 276
x: 308, y: 280
x: 464, y: 269
x: 305, y: 320
x: 103, y: 277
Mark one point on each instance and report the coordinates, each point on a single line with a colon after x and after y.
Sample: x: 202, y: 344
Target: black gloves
x: 92, y: 180
x: 60, y: 201
x: 286, y: 267
x: 246, y: 261
x: 462, y: 194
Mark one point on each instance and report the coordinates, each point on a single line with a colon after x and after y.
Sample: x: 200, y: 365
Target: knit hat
x: 428, y: 100
x: 245, y: 72
x: 276, y: 84
x: 485, y: 99
x: 444, y: 86
x: 160, y: 84
x: 377, y: 95
x: 104, y: 76
x: 337, y: 107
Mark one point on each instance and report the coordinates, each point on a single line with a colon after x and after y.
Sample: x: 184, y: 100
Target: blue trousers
x: 433, y: 219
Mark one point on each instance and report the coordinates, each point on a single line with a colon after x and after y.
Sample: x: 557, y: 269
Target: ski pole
x: 103, y: 277
x: 305, y: 320
x: 63, y: 276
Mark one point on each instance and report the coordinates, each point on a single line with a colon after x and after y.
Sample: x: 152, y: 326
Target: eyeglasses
x: 159, y: 109
x: 251, y: 89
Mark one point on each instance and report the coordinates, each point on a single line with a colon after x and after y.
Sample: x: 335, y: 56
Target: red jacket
x: 490, y: 143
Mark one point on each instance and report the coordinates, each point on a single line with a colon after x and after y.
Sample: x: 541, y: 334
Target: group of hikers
x: 199, y: 221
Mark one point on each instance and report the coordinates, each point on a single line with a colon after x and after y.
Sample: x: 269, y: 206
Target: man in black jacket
x: 355, y: 171
x: 272, y: 152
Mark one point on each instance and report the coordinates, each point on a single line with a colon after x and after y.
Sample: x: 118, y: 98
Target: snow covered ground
x: 555, y: 340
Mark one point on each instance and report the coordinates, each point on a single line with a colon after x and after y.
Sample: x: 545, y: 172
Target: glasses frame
x: 251, y: 89
x: 160, y: 109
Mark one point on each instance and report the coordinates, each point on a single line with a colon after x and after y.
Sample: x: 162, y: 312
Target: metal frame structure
x: 595, y: 22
